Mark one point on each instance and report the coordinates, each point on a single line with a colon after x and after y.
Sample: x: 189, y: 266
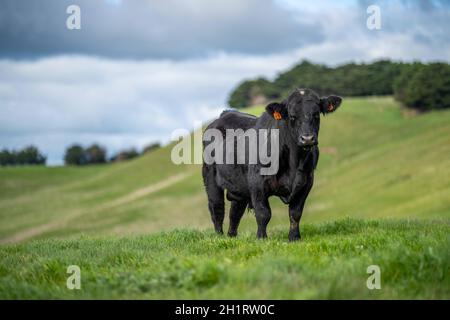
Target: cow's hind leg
x: 216, y: 206
x: 216, y: 202
x: 236, y: 212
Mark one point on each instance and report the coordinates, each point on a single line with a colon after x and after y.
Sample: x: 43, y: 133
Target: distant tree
x: 425, y: 87
x: 304, y: 75
x: 30, y: 155
x: 151, y: 147
x: 400, y: 85
x: 251, y: 92
x: 381, y: 77
x: 27, y: 156
x: 240, y: 96
x: 125, y: 155
x: 75, y: 155
x: 95, y: 154
x: 7, y: 158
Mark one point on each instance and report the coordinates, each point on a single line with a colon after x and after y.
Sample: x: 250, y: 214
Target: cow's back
x: 232, y: 177
x: 232, y: 119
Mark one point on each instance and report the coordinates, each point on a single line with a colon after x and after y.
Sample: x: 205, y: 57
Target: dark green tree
x: 250, y: 92
x: 125, y: 155
x: 151, y: 147
x: 95, y: 154
x: 7, y: 158
x: 75, y: 155
x: 381, y: 77
x: 30, y: 155
x: 400, y: 84
x: 27, y: 156
x: 425, y: 87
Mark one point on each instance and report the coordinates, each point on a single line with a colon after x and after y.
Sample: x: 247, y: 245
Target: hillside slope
x: 375, y: 163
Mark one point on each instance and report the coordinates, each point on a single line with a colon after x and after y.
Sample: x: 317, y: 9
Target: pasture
x: 141, y: 229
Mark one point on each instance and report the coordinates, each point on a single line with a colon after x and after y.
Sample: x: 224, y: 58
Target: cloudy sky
x: 138, y: 69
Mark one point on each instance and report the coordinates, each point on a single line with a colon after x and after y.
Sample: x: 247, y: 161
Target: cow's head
x: 301, y: 111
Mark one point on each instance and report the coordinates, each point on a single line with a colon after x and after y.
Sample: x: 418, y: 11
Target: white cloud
x: 57, y: 101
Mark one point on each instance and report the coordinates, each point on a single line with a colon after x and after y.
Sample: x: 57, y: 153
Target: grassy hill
x: 376, y: 163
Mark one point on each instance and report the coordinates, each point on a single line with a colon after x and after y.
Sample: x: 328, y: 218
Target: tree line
x: 27, y: 156
x: 415, y: 85
x: 74, y: 155
x: 77, y: 155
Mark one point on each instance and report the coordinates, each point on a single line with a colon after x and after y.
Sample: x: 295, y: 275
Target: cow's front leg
x: 296, y: 210
x: 262, y: 214
x: 295, y: 214
x: 236, y: 212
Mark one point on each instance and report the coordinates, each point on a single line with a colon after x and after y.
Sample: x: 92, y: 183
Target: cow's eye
x: 293, y: 118
x: 317, y: 115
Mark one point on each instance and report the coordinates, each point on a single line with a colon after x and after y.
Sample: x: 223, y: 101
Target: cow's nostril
x: 307, y: 139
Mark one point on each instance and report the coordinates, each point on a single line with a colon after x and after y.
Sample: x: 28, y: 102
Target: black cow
x: 298, y: 121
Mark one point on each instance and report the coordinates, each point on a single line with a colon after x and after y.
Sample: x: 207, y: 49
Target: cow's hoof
x: 294, y: 237
x: 218, y: 228
x: 232, y: 234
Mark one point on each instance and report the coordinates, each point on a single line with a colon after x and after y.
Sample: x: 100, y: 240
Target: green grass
x: 389, y: 174
x: 330, y: 262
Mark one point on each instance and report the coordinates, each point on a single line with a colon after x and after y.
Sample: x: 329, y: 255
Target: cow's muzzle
x: 308, y: 141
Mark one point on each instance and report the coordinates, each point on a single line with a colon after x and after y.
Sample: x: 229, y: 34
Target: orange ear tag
x: 330, y: 107
x: 277, y: 115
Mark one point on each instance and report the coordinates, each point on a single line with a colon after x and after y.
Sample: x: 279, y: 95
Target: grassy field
x: 380, y: 197
x: 330, y: 262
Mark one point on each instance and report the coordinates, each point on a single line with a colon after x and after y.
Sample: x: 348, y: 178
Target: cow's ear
x: 329, y: 104
x: 277, y: 110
